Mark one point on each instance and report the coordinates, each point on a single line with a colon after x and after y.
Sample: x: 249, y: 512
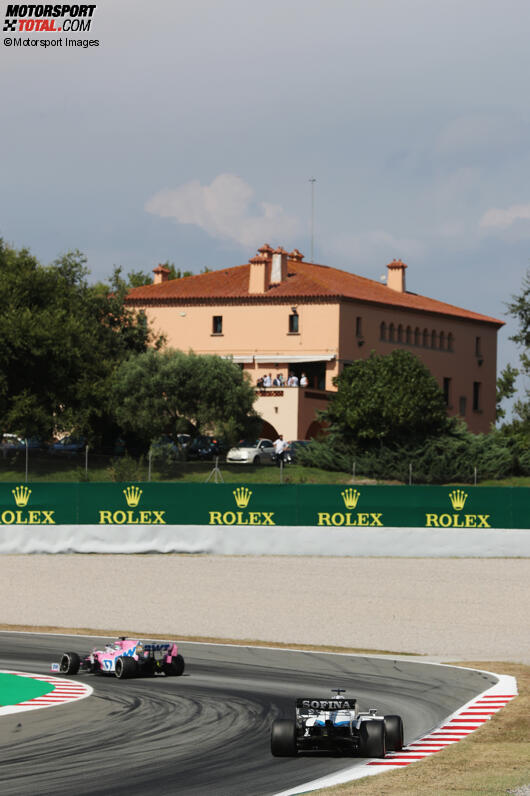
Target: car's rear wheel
x: 283, y: 738
x: 176, y: 667
x: 70, y: 663
x: 394, y: 733
x: 372, y: 741
x: 125, y: 668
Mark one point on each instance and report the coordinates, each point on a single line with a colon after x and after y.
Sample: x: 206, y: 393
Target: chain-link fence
x: 46, y: 465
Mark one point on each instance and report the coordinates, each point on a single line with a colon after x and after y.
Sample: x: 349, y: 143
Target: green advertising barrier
x: 264, y: 505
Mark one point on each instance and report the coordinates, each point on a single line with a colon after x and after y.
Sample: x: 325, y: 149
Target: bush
x: 438, y: 460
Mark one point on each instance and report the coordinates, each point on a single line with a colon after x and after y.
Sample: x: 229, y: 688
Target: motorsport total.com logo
x: 48, y: 19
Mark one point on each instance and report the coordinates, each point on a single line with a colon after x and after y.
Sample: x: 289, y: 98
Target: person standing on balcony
x: 303, y: 380
x: 267, y: 381
x: 292, y: 381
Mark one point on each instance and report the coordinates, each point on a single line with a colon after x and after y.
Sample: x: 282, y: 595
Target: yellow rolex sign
x: 22, y: 514
x: 132, y: 515
x: 242, y: 516
x: 457, y: 518
x: 351, y: 518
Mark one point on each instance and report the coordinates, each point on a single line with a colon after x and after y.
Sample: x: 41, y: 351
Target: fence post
x: 27, y: 454
x: 149, y: 465
x: 410, y: 474
x: 475, y: 476
x: 353, y: 472
x: 281, y: 471
x: 86, y: 462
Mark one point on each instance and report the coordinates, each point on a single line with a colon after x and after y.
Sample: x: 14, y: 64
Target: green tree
x: 506, y: 388
x: 519, y: 308
x: 60, y: 341
x: 168, y: 392
x: 388, y: 400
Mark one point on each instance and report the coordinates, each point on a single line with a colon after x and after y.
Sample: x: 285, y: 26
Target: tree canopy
x: 60, y: 341
x: 166, y: 392
x: 519, y: 308
x: 386, y: 399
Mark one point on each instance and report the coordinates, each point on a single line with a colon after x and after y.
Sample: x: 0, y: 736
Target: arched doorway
x: 268, y: 431
x: 316, y: 430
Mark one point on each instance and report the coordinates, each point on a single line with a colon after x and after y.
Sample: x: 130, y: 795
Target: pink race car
x: 126, y: 658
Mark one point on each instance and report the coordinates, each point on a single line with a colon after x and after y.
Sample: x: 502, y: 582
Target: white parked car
x: 257, y: 451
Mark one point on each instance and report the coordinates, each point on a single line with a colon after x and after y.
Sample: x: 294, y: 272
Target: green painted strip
x: 15, y: 689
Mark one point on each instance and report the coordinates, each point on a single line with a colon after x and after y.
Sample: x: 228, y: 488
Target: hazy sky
x: 190, y: 135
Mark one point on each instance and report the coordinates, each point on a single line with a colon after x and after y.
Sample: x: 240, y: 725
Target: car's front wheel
x: 125, y: 668
x: 70, y: 663
x: 256, y: 460
x: 283, y: 738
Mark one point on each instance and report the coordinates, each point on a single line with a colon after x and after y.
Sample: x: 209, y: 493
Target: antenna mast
x: 312, y: 180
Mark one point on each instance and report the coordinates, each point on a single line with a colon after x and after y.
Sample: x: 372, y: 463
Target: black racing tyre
x: 283, y: 738
x: 372, y: 741
x: 256, y: 460
x: 125, y: 668
x: 147, y: 667
x: 70, y: 663
x: 394, y: 733
x: 176, y: 667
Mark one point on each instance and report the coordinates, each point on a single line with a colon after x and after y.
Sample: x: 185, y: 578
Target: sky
x: 191, y: 132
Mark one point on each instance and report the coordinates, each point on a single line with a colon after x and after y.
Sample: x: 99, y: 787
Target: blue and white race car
x: 335, y: 725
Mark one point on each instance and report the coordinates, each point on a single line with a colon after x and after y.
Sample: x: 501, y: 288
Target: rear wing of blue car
x: 326, y: 704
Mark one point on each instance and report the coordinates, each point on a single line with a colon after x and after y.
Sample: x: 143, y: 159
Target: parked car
x: 167, y: 447
x: 11, y: 443
x: 336, y: 725
x: 294, y: 446
x: 204, y: 447
x: 125, y: 658
x: 70, y: 444
x: 257, y: 451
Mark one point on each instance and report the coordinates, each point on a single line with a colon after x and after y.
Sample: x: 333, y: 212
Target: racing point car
x: 335, y: 725
x: 126, y: 658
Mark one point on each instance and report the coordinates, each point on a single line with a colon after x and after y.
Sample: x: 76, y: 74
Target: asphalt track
x: 208, y: 731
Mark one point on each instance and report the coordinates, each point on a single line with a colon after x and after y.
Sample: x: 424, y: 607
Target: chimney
x: 296, y: 255
x: 161, y: 274
x: 260, y: 269
x: 279, y: 266
x: 396, y: 276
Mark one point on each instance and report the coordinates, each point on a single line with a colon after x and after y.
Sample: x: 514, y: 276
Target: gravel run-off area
x: 447, y: 609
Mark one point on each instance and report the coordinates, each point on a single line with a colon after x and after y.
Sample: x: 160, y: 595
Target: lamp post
x: 312, y: 180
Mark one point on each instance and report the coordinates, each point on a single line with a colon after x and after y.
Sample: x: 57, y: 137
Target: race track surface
x: 205, y: 732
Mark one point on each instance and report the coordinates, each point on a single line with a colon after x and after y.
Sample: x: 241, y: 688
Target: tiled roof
x: 304, y: 281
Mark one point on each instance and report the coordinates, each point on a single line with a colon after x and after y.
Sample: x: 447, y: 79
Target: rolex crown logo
x: 132, y: 496
x: 350, y: 497
x: 458, y: 499
x: 21, y: 495
x: 242, y: 495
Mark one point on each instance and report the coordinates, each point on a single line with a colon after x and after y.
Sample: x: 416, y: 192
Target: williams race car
x: 126, y: 658
x: 335, y: 725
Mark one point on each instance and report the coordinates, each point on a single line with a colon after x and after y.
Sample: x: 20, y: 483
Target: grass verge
x: 90, y: 631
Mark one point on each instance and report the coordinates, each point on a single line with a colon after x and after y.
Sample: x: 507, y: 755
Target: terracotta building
x: 278, y: 314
